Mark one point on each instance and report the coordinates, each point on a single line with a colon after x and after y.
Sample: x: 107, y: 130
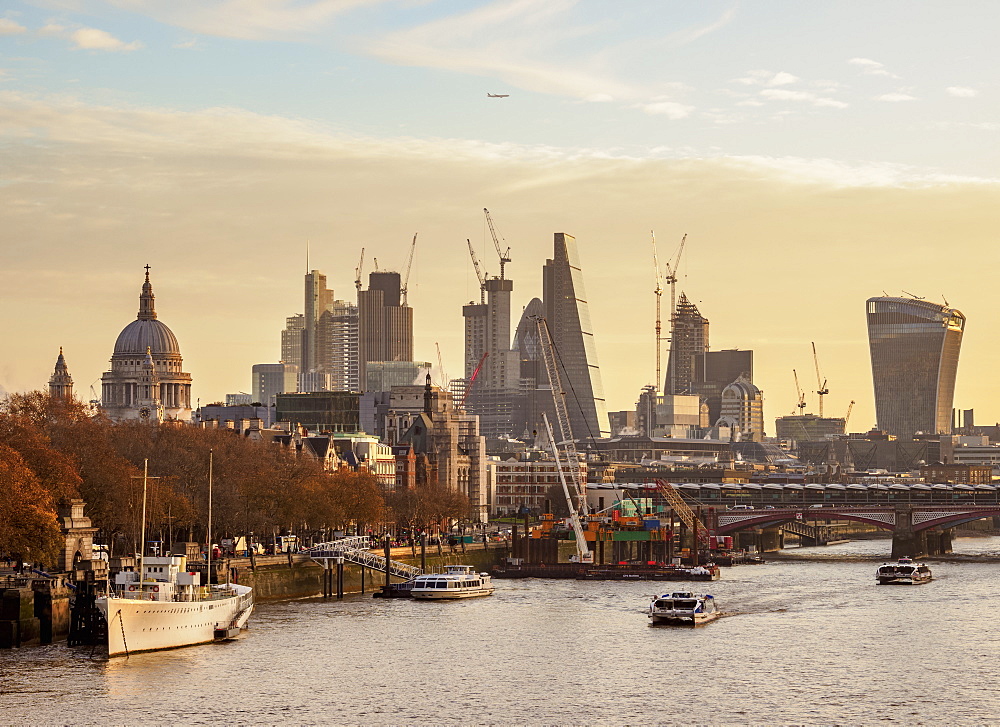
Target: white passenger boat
x: 457, y: 581
x: 167, y: 608
x: 164, y: 606
x: 683, y: 607
x: 903, y: 572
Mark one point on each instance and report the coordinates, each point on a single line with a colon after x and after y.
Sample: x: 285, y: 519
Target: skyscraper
x: 487, y: 332
x: 689, y: 337
x: 568, y: 316
x: 714, y: 371
x: 291, y: 340
x: 317, y: 301
x: 914, y: 350
x: 385, y: 324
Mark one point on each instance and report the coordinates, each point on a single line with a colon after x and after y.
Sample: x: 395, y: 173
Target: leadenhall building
x: 146, y: 381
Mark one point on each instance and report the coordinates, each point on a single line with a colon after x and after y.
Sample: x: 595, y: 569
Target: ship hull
x: 135, y: 625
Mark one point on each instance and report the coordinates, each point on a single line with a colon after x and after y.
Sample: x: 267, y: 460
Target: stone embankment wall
x: 277, y: 578
x: 32, y: 611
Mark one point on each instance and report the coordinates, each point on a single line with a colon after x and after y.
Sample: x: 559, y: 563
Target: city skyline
x: 158, y: 136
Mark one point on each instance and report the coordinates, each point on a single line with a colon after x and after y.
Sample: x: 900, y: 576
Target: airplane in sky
x: 497, y: 95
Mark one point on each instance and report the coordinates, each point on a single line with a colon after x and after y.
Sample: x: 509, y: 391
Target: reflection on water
x: 809, y: 638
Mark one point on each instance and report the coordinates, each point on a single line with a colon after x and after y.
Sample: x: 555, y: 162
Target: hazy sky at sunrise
x: 815, y: 154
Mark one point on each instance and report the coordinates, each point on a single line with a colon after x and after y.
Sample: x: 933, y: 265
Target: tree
x: 29, y: 527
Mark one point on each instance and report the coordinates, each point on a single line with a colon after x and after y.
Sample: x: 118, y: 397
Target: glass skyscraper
x: 914, y: 349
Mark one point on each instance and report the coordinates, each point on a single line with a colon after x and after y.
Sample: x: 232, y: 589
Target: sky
x: 815, y: 155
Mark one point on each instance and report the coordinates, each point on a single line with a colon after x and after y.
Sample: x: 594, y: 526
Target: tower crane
x: 479, y: 272
x: 821, y: 382
x: 658, y: 292
x: 671, y: 280
x: 406, y: 272
x: 357, y: 271
x: 847, y: 416
x: 472, y: 379
x: 548, y: 350
x: 504, y: 256
x: 798, y: 390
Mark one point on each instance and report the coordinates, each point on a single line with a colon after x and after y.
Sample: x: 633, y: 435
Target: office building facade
x: 385, y: 323
x: 914, y: 346
x: 688, y: 338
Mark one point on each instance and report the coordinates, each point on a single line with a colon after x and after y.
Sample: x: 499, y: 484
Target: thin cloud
x: 246, y: 19
x: 670, y: 109
x: 687, y: 36
x: 9, y: 27
x: 186, y: 44
x: 767, y: 78
x: 871, y: 68
x: 895, y: 97
x: 784, y: 94
x: 95, y: 39
x: 962, y: 91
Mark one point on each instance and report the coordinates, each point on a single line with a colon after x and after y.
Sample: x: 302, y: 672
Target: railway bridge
x: 917, y: 530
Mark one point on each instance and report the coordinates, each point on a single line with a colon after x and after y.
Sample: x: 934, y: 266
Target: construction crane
x: 357, y: 271
x: 671, y: 280
x: 479, y: 273
x: 548, y: 350
x: 583, y: 553
x: 798, y: 390
x: 406, y: 272
x: 472, y: 379
x: 504, y: 256
x: 444, y: 378
x: 683, y: 510
x: 847, y: 416
x: 821, y: 382
x: 658, y: 292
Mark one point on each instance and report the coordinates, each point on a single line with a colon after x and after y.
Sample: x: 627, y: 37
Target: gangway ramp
x: 357, y: 549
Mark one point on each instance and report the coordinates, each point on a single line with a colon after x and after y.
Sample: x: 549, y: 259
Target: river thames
x: 809, y: 638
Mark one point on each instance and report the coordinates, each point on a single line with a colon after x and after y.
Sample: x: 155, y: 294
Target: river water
x: 809, y: 638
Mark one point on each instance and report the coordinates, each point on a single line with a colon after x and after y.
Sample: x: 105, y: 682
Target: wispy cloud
x: 962, y: 91
x: 247, y: 19
x: 95, y: 39
x: 687, y: 36
x: 767, y: 78
x: 513, y: 41
x: 871, y: 68
x: 784, y: 94
x: 9, y: 27
x: 184, y: 45
x: 670, y: 109
x: 895, y: 97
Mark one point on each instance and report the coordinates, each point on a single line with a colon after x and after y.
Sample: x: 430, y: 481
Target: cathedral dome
x: 141, y: 334
x: 146, y: 332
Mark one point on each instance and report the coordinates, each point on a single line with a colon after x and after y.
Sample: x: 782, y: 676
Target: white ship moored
x: 683, y: 607
x: 457, y: 581
x: 168, y: 608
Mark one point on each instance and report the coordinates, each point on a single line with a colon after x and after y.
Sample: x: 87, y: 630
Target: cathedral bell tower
x: 61, y: 383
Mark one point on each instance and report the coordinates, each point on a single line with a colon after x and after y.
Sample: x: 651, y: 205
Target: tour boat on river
x: 903, y: 572
x: 683, y: 607
x: 457, y: 581
x: 167, y: 608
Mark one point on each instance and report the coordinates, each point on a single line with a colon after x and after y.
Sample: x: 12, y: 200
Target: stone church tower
x: 61, y: 383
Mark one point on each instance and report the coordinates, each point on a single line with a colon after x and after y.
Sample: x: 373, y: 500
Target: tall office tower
x: 291, y: 340
x: 338, y: 336
x: 385, y: 325
x: 272, y: 379
x: 914, y: 349
x: 534, y: 395
x: 61, y: 383
x: 568, y: 316
x: 742, y: 409
x: 714, y: 371
x: 487, y: 333
x: 318, y: 299
x: 689, y: 337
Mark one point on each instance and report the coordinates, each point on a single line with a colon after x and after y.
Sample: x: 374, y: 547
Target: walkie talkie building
x: 914, y: 349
